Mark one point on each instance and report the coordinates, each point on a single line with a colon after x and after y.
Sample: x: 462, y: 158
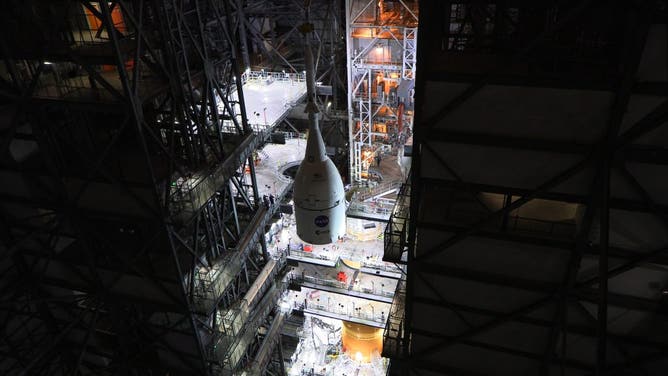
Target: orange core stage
x: 360, y: 342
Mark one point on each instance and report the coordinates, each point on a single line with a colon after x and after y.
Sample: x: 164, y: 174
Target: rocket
x: 319, y: 198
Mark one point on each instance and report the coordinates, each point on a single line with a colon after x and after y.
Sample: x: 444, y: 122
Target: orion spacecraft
x: 319, y: 198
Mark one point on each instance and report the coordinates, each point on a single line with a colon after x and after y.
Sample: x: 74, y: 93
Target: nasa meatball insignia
x: 321, y: 221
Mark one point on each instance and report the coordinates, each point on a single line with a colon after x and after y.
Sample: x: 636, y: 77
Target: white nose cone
x: 320, y: 205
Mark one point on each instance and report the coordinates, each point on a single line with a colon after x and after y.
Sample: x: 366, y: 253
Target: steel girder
x: 120, y: 185
x: 576, y: 302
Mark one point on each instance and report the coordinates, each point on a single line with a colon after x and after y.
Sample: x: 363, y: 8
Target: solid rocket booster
x: 319, y: 198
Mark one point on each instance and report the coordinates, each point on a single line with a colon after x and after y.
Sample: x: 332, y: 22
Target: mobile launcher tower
x: 381, y: 47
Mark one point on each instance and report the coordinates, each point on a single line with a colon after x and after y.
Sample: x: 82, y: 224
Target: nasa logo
x: 321, y: 221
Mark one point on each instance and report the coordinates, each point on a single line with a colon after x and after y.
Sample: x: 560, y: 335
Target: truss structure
x: 129, y: 213
x: 410, y: 53
x: 537, y: 229
x: 382, y: 42
x: 271, y: 38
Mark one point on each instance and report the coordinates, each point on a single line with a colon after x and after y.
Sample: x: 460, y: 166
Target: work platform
x: 342, y: 307
x: 269, y: 97
x: 338, y: 287
x: 322, y: 312
x: 383, y: 271
x: 310, y: 258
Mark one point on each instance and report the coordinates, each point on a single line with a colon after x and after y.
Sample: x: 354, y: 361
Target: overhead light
x: 48, y: 63
x: 379, y: 48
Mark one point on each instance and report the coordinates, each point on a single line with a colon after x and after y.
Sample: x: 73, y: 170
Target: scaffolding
x: 131, y: 203
x: 229, y: 347
x: 396, y: 231
x: 270, y: 343
x: 394, y: 335
x: 524, y: 246
x: 382, y: 45
x: 288, y: 88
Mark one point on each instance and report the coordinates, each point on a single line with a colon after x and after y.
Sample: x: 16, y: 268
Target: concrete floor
x: 374, y: 199
x: 274, y: 158
x: 268, y: 99
x: 389, y: 168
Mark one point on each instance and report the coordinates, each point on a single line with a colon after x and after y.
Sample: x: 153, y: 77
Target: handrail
x: 211, y: 283
x: 396, y: 231
x: 363, y: 195
x: 297, y: 279
x: 383, y: 209
x: 376, y: 62
x: 187, y: 199
x: 383, y: 266
x: 292, y: 252
x: 342, y: 312
x: 229, y: 349
x: 270, y: 76
x: 264, y: 354
x: 394, y: 339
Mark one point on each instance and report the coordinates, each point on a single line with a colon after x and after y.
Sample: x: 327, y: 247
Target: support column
x: 243, y: 39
